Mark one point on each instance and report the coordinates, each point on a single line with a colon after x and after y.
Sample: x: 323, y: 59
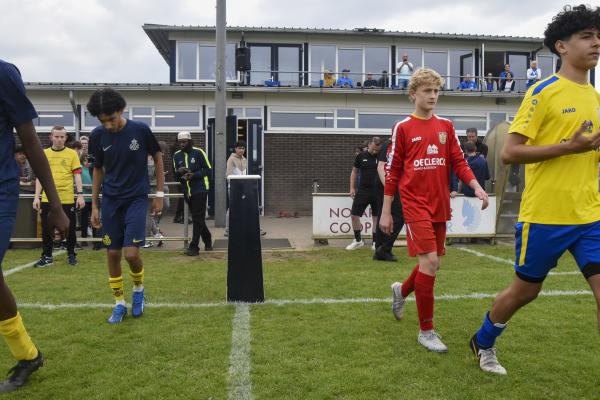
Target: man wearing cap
x: 345, y: 80
x: 192, y: 169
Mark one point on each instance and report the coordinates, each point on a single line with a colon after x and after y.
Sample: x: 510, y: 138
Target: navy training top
x: 15, y: 110
x: 124, y: 156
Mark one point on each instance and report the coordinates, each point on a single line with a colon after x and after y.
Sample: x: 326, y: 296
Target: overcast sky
x: 103, y: 40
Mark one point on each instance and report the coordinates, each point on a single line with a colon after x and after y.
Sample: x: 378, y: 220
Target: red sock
x: 424, y: 296
x: 408, y: 286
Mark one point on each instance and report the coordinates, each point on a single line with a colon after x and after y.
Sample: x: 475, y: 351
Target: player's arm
x: 159, y: 167
x: 515, y: 150
x: 37, y: 194
x: 97, y: 178
x: 353, y: 181
x: 79, y: 187
x: 39, y: 163
x: 381, y: 171
x: 394, y: 169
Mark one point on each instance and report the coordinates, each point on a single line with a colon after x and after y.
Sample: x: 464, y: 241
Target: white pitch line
x: 284, y: 302
x: 508, y: 261
x: 240, y: 381
x: 28, y: 265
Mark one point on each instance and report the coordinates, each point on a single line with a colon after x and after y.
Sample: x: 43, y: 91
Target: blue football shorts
x: 539, y: 246
x: 124, y: 221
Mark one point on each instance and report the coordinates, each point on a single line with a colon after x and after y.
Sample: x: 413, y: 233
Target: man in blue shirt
x: 479, y: 167
x: 345, y: 80
x: 193, y: 170
x: 17, y: 112
x: 120, y: 149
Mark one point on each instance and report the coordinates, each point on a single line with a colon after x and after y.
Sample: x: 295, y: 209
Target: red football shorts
x: 425, y: 237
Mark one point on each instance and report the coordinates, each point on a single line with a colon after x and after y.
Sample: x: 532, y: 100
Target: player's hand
x: 188, y: 176
x: 58, y: 221
x: 482, y: 195
x: 453, y: 194
x: 80, y: 202
x: 36, y: 204
x: 157, y: 206
x: 352, y: 193
x: 580, y: 143
x: 95, y: 218
x: 386, y: 223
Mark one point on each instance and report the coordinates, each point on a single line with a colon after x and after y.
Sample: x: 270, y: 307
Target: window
x: 260, y: 60
x: 346, y: 119
x: 378, y: 121
x: 52, y: 118
x: 187, y: 60
x: 288, y: 60
x: 518, y: 66
x: 462, y: 123
x: 437, y: 61
x: 377, y: 59
x: 461, y: 64
x: 496, y: 118
x: 142, y: 114
x: 415, y: 56
x: 208, y: 62
x: 546, y: 64
x: 253, y: 112
x: 301, y: 119
x: 321, y: 58
x: 351, y: 59
x: 177, y: 119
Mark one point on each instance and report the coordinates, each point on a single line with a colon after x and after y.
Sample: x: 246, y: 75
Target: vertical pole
x: 219, y: 163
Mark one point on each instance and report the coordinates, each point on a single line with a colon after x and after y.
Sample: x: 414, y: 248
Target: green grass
x: 299, y: 351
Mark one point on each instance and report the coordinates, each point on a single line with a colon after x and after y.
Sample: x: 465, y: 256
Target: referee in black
x: 364, y: 175
x: 383, y: 242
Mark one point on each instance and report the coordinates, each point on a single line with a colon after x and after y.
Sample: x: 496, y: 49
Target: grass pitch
x: 326, y: 332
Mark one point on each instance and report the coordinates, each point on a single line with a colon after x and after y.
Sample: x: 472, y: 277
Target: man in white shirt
x: 404, y: 70
x: 534, y: 74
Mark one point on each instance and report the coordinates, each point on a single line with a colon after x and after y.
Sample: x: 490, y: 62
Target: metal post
x: 76, y: 113
x: 186, y: 216
x: 220, y: 161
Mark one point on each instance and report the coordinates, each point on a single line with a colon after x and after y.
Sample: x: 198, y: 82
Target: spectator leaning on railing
x: 534, y: 74
x: 468, y: 83
x: 345, y: 80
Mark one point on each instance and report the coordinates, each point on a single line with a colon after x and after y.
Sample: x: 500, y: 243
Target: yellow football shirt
x: 62, y: 164
x: 562, y: 190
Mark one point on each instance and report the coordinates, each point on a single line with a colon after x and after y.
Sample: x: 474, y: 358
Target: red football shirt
x: 420, y: 155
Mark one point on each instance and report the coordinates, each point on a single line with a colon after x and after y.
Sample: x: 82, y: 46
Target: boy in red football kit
x: 423, y: 149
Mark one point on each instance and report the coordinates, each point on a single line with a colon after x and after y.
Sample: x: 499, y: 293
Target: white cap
x: 185, y: 135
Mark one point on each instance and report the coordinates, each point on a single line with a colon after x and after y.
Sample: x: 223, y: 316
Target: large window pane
x: 518, y: 66
x: 461, y: 65
x: 546, y: 64
x: 414, y: 56
x: 496, y: 118
x: 260, y: 60
x: 208, y: 57
x: 379, y: 121
x: 177, y: 118
x: 462, y: 123
x: 377, y: 60
x: 230, y: 73
x: 252, y: 112
x: 321, y: 58
x: 437, y: 61
x: 351, y: 59
x: 289, y: 60
x: 53, y: 118
x: 346, y: 119
x: 187, y: 60
x: 301, y: 120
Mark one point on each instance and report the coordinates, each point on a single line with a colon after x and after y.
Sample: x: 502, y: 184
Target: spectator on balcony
x: 489, y: 84
x: 384, y: 81
x: 370, y: 82
x: 468, y: 83
x: 508, y: 84
x: 328, y: 79
x: 345, y: 80
x: 404, y: 69
x: 534, y: 74
x: 504, y: 73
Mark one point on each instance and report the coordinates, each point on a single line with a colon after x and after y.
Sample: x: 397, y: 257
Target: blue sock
x: 487, y: 334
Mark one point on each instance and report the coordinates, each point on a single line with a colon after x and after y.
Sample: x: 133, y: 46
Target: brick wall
x: 292, y: 161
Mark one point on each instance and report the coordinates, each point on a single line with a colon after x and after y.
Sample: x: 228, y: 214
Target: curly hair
x: 424, y: 76
x: 105, y: 101
x: 570, y: 20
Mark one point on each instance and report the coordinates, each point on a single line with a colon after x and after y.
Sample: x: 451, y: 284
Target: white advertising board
x: 331, y: 217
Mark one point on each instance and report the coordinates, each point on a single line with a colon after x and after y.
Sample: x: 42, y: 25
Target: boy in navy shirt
x: 17, y: 112
x: 120, y: 148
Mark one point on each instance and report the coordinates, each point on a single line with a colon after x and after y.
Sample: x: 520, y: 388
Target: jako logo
x: 432, y: 149
x: 568, y: 110
x: 416, y: 139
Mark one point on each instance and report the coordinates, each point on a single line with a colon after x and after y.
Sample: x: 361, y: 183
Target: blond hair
x: 424, y: 76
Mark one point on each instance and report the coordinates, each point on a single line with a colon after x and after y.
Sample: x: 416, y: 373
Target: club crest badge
x: 134, y: 145
x: 443, y: 137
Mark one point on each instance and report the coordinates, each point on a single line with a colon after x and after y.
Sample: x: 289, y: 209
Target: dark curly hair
x: 105, y: 101
x: 571, y: 20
